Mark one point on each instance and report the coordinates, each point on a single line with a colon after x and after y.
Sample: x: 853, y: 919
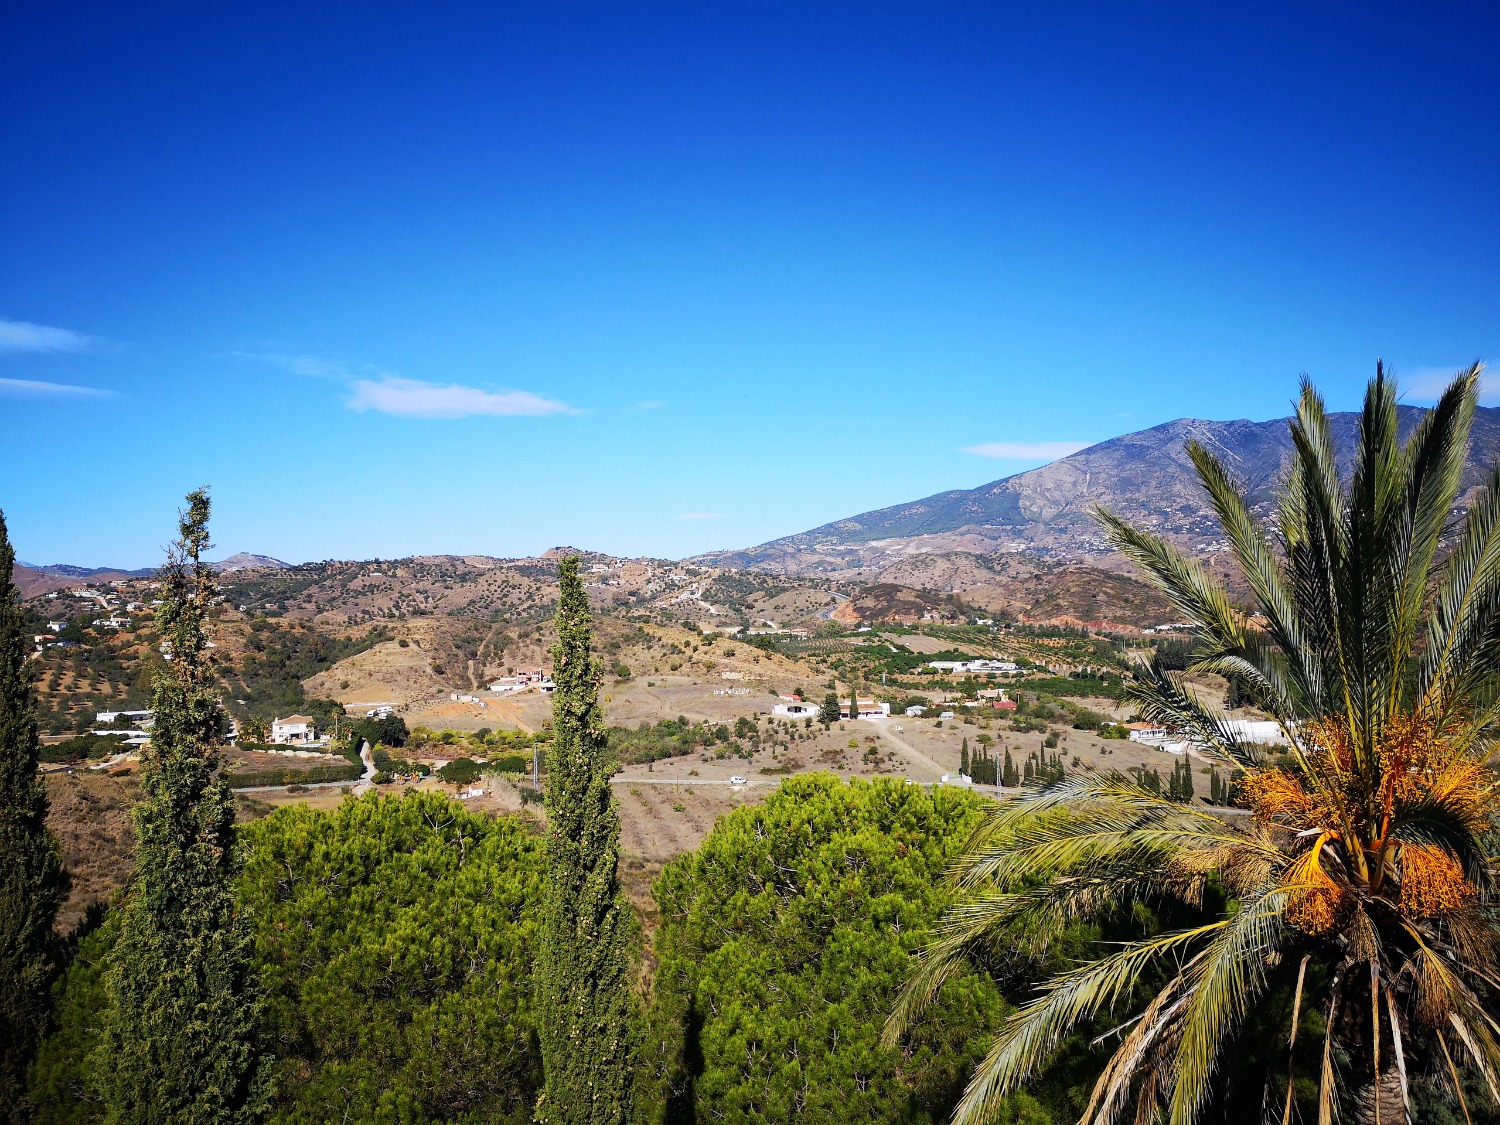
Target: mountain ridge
x: 1145, y: 476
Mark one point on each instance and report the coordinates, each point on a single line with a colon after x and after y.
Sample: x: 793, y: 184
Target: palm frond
x: 1263, y: 572
x: 1029, y: 1037
x: 1224, y: 981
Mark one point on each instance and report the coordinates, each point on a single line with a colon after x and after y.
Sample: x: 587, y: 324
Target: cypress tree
x: 584, y: 999
x: 963, y: 757
x: 32, y: 879
x: 179, y: 1045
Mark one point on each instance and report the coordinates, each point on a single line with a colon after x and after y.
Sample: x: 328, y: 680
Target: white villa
x: 293, y: 729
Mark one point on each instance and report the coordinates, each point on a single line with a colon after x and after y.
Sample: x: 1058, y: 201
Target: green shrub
x: 293, y: 775
x: 461, y: 771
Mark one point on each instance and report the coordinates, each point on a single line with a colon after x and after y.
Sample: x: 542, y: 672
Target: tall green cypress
x: 179, y: 1044
x: 32, y: 879
x: 963, y: 758
x: 584, y: 998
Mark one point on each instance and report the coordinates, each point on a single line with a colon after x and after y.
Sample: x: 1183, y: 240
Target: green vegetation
x: 394, y: 937
x: 584, y: 998
x: 1360, y: 903
x: 460, y: 771
x: 180, y: 1043
x: 295, y: 775
x: 387, y: 730
x: 81, y: 748
x: 651, y: 742
x: 32, y: 881
x: 279, y: 655
x: 784, y: 941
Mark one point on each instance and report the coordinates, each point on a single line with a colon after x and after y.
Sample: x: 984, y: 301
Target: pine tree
x: 964, y: 766
x: 32, y: 879
x: 828, y: 714
x: 584, y: 999
x: 179, y: 1045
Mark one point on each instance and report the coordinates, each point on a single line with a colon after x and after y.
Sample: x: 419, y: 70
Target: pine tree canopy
x: 32, y: 879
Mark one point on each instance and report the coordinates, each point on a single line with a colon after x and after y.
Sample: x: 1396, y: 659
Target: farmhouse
x: 293, y: 729
x: 796, y: 710
x: 868, y: 709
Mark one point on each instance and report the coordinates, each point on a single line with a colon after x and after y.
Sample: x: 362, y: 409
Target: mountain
x: 1145, y: 477
x: 247, y: 561
x: 66, y: 570
x: 32, y: 580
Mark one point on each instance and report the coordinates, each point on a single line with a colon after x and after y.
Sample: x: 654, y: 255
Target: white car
x: 738, y: 780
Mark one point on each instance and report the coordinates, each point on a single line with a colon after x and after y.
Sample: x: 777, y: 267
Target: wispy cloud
x: 37, y: 389
x: 370, y: 388
x: 703, y: 516
x: 1026, y: 450
x: 22, y: 336
x: 313, y: 366
x: 412, y: 398
x: 649, y: 404
x: 1426, y: 384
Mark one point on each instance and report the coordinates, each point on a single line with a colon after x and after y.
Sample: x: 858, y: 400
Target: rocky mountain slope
x: 1145, y: 477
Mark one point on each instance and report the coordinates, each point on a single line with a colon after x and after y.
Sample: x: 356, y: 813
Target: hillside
x: 1145, y: 477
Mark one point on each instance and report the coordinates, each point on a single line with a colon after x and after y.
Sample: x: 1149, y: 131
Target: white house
x: 293, y: 729
x: 139, y: 718
x: 915, y: 711
x: 868, y: 709
x: 796, y: 710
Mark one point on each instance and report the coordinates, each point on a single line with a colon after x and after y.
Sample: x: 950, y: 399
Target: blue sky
x: 659, y: 278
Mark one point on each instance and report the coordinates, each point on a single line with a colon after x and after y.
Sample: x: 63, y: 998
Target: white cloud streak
x: 371, y: 389
x: 310, y: 365
x: 22, y: 336
x: 36, y: 389
x: 1026, y: 450
x: 703, y: 516
x: 413, y: 398
x: 1426, y: 384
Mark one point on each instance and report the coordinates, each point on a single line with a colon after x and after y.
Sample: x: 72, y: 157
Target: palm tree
x: 1359, y: 887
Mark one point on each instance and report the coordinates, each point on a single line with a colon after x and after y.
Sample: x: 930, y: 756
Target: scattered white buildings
x: 976, y: 667
x: 292, y: 730
x: 524, y: 681
x: 1259, y: 732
